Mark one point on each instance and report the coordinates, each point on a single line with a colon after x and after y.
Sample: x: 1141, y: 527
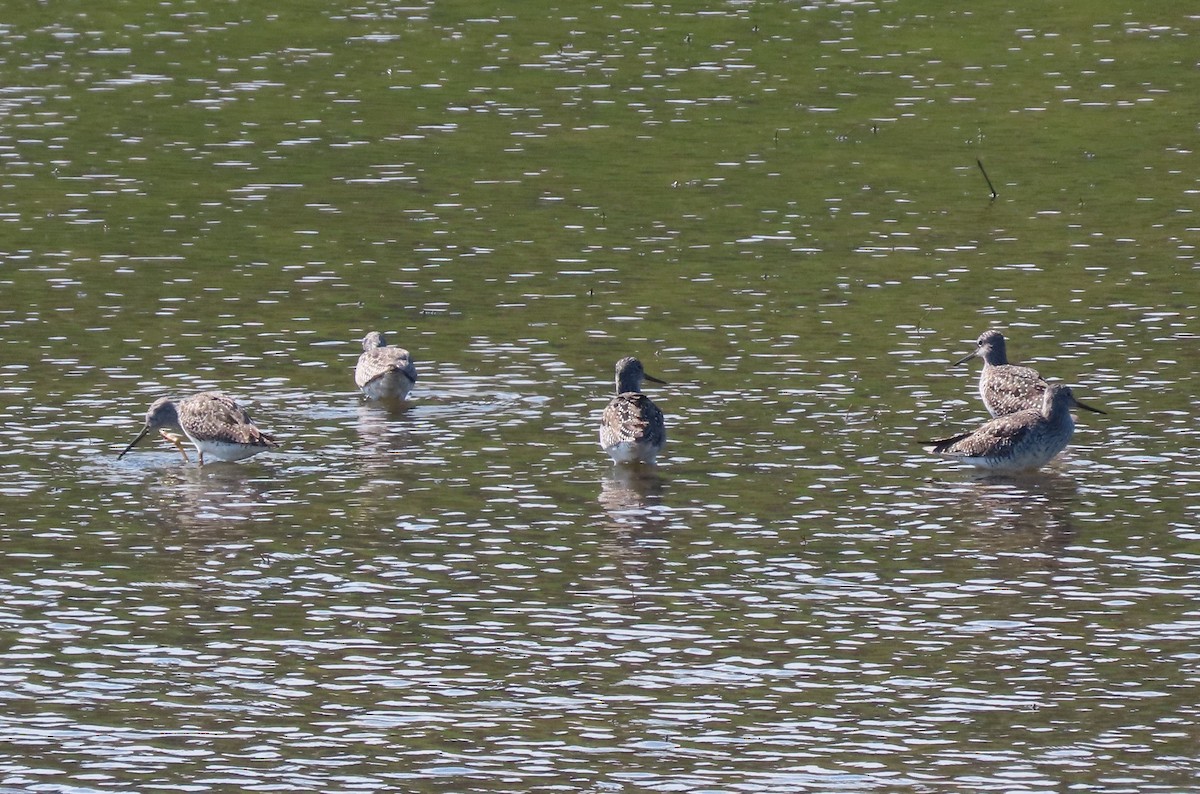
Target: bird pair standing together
x: 1031, y: 418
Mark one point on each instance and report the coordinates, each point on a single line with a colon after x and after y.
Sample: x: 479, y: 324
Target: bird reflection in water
x: 635, y: 520
x: 629, y: 494
x: 212, y: 499
x: 384, y: 429
x: 1010, y: 509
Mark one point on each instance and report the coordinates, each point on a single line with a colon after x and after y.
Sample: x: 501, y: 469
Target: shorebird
x: 1007, y: 388
x: 384, y: 373
x: 1025, y: 440
x: 632, y: 427
x: 212, y: 421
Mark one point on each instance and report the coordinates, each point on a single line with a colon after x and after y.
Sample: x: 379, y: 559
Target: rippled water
x: 779, y: 209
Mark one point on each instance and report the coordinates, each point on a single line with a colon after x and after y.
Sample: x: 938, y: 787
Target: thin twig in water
x: 979, y: 163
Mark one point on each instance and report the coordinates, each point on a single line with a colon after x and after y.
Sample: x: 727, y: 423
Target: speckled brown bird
x: 1007, y: 388
x: 212, y: 421
x: 632, y: 427
x: 384, y: 373
x: 1027, y: 439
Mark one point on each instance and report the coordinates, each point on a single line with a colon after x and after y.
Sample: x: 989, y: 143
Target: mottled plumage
x: 1007, y: 388
x: 384, y: 373
x: 632, y: 428
x: 1027, y: 439
x: 214, y: 423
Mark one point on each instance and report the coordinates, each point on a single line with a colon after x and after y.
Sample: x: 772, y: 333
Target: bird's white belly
x: 631, y: 452
x: 227, y: 451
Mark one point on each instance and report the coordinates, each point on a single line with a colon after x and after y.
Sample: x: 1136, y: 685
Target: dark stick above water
x: 979, y: 163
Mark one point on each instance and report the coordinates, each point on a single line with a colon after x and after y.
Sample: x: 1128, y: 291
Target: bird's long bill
x: 653, y: 379
x: 1086, y: 407
x: 133, y: 444
x: 965, y: 358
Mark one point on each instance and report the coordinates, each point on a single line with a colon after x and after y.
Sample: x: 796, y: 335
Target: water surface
x: 780, y: 210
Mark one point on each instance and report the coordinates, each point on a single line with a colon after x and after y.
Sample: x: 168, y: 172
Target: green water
x: 780, y: 209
